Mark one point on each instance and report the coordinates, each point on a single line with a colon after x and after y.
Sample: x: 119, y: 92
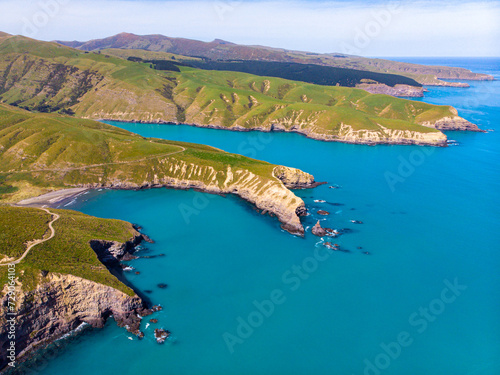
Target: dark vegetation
x: 321, y: 75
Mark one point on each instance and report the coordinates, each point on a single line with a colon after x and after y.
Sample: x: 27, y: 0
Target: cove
x: 425, y: 301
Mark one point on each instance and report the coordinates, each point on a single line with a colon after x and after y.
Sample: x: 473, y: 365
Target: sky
x: 367, y: 28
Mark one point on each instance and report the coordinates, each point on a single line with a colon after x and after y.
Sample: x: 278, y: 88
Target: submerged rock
x: 331, y: 246
x: 161, y: 335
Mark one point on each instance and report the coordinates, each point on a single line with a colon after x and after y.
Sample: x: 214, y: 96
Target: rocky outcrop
x: 390, y: 136
x: 438, y: 82
x: 59, y: 304
x: 294, y: 178
x: 110, y: 252
x: 270, y: 195
x: 453, y: 123
x: 396, y: 90
x: 317, y: 230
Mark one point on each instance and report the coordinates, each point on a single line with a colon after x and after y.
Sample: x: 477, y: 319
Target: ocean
x: 245, y: 297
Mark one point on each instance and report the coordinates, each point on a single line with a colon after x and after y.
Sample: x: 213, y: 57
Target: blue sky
x: 368, y: 28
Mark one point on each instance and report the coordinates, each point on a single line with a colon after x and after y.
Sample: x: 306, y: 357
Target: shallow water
x: 430, y: 216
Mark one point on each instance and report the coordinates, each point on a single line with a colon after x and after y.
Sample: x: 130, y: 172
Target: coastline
x: 290, y: 223
x: 52, y: 199
x: 319, y: 137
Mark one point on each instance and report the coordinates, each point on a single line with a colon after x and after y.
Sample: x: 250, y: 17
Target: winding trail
x: 55, y: 217
x: 95, y: 165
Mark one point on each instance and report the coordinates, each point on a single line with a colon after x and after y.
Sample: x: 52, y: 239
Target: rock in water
x: 323, y: 212
x: 161, y: 335
x: 318, y: 230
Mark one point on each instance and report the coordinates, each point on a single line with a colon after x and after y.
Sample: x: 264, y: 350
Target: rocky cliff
x: 270, y: 195
x: 59, y: 303
x: 396, y: 90
x: 453, y: 123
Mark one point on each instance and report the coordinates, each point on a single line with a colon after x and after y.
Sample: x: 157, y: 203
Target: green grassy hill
x: 42, y: 152
x: 222, y: 50
x: 310, y: 73
x: 50, y: 151
x: 69, y: 252
x: 48, y: 77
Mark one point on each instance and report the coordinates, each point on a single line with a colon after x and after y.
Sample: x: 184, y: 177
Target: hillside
x: 310, y: 73
x: 42, y: 152
x: 74, y: 230
x: 48, y: 77
x: 61, y: 283
x: 221, y: 50
x: 373, y: 82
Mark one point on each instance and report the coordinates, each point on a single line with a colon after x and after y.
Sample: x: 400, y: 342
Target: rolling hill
x: 48, y: 77
x: 222, y: 50
x: 43, y: 152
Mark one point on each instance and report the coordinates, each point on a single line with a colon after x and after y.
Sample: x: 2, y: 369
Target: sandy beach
x: 52, y: 199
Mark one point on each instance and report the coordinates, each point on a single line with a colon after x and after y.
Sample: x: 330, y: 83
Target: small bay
x: 430, y: 219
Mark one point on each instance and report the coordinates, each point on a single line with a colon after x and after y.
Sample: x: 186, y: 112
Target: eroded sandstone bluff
x: 62, y: 302
x: 270, y: 195
x: 297, y: 123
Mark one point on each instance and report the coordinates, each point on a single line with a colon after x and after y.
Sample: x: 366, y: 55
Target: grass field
x: 68, y: 252
x: 47, y: 77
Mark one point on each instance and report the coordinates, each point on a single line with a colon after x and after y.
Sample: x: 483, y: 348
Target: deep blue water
x: 430, y: 218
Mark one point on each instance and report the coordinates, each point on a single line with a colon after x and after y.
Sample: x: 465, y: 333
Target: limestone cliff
x: 453, y: 123
x: 59, y: 304
x: 396, y: 90
x: 269, y: 195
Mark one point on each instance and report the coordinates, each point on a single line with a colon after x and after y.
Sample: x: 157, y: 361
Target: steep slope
x: 41, y: 152
x: 49, y: 77
x: 62, y: 284
x: 221, y: 50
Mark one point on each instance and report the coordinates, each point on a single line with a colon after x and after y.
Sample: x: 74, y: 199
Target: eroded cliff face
x: 396, y: 90
x: 297, y: 122
x: 453, y: 123
x: 59, y: 304
x: 269, y: 195
x: 294, y: 178
x: 390, y: 136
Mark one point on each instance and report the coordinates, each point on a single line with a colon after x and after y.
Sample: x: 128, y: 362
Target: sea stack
x: 318, y: 230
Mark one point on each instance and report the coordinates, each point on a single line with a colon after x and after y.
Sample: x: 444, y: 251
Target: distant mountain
x: 222, y: 50
x: 49, y: 77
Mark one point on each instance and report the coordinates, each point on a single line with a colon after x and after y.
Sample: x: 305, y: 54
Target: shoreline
x: 56, y: 198
x: 52, y: 199
x: 272, y: 129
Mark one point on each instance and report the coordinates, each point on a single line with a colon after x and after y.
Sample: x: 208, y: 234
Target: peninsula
x: 49, y: 77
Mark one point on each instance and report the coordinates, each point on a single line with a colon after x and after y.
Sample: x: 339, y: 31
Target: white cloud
x: 414, y: 29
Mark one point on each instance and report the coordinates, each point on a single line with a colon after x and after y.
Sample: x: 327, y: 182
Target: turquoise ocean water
x: 430, y: 217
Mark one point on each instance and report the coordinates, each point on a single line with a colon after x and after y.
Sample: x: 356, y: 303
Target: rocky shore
x: 347, y: 134
x: 269, y: 196
x: 406, y: 91
x: 62, y: 302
